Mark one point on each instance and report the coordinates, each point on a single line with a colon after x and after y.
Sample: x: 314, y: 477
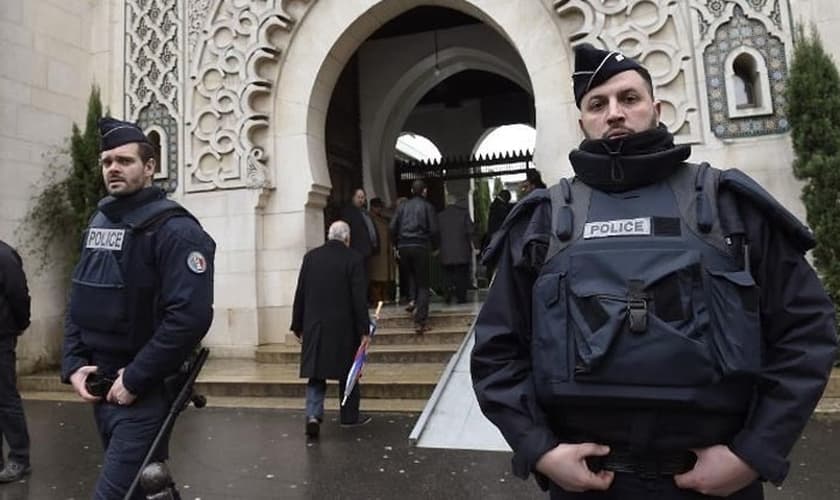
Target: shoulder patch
x: 196, y: 262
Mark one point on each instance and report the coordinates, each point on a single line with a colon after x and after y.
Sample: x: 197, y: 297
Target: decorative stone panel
x: 655, y: 32
x: 153, y: 75
x: 730, y: 26
x: 235, y: 52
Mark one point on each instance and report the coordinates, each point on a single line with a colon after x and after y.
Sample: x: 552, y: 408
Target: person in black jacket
x: 330, y: 318
x: 140, y: 303
x: 14, y: 319
x: 499, y: 209
x: 363, y: 236
x: 415, y: 229
x: 641, y: 338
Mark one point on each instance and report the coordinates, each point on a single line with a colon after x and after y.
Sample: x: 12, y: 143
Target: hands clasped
x: 718, y: 471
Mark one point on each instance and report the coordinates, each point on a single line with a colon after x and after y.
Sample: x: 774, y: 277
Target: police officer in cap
x: 641, y: 339
x: 141, y: 301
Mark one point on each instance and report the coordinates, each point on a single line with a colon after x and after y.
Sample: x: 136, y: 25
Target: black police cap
x: 115, y: 133
x: 595, y: 66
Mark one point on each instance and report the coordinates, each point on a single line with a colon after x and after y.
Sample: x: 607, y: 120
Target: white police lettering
x: 622, y: 227
x: 106, y: 239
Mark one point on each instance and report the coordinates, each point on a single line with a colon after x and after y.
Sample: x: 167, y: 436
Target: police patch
x: 196, y: 262
x: 622, y: 227
x: 106, y: 239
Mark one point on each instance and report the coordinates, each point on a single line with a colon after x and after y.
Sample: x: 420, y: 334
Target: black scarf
x: 625, y: 163
x: 115, y: 207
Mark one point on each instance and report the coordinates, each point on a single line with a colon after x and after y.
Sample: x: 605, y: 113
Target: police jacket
x: 142, y: 292
x: 415, y: 223
x: 14, y: 294
x: 797, y: 332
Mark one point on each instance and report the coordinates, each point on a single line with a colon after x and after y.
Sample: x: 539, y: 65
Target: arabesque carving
x: 657, y: 33
x: 236, y: 52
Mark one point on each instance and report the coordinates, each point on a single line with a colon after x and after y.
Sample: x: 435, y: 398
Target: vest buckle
x: 637, y: 313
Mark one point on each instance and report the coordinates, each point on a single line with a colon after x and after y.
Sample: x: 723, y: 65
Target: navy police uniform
x: 647, y: 305
x: 141, y: 299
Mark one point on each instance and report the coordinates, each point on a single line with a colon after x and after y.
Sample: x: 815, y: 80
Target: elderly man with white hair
x: 330, y: 318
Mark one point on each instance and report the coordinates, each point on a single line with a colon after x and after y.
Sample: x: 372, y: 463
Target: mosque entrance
x: 434, y: 72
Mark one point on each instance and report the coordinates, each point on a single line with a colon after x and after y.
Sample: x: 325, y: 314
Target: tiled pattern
x: 738, y: 32
x: 157, y: 114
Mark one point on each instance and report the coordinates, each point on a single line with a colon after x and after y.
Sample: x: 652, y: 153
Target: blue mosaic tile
x: 741, y: 31
x: 157, y: 114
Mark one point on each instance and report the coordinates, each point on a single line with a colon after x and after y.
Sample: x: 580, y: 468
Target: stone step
x: 418, y: 353
x: 406, y: 336
x: 245, y: 378
x: 382, y: 405
x: 436, y: 319
x: 832, y: 390
x: 383, y: 380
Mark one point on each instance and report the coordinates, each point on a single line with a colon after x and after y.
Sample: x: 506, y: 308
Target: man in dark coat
x: 415, y: 229
x: 330, y: 318
x: 14, y: 318
x: 363, y: 236
x: 456, y: 251
x: 499, y: 210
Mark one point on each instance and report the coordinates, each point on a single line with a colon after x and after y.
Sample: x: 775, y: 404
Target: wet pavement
x: 220, y: 453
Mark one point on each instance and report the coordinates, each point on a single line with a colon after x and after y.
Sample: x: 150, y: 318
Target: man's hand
x: 299, y: 337
x: 77, y: 380
x: 118, y: 393
x: 366, y: 341
x: 566, y: 466
x: 718, y: 472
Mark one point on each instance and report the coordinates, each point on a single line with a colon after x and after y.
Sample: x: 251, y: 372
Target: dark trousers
x: 316, y: 392
x: 457, y: 281
x: 127, y: 433
x: 417, y: 264
x: 635, y: 487
x: 406, y: 286
x: 12, y: 419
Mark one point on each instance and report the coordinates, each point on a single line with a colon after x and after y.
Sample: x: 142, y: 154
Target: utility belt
x: 653, y: 464
x: 647, y: 433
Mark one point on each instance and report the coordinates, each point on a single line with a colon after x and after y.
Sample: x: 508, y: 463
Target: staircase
x: 400, y: 375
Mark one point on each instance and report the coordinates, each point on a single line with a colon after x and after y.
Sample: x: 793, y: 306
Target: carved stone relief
x: 153, y: 82
x: 657, y: 33
x: 726, y: 26
x: 235, y: 52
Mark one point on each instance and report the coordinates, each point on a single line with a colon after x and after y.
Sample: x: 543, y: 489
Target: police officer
x: 14, y: 319
x: 141, y: 301
x: 641, y: 339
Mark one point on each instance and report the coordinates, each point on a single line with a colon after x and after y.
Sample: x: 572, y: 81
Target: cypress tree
x: 71, y: 188
x: 813, y: 103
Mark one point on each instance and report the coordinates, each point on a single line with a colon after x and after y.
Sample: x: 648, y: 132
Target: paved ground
x: 261, y: 454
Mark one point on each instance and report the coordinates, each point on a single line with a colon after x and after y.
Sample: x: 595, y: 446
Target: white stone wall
x: 51, y: 52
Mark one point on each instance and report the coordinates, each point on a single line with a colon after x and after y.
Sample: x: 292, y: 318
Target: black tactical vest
x: 115, y: 283
x: 644, y: 300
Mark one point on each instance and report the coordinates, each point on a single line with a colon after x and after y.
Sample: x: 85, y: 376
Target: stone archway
x: 326, y: 36
x: 332, y: 31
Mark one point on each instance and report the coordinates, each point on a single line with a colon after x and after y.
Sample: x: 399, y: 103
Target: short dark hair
x: 646, y: 77
x: 417, y: 187
x: 377, y: 202
x: 534, y: 177
x: 504, y: 194
x: 146, y: 152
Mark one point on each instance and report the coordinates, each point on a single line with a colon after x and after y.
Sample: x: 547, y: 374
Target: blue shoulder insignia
x: 744, y: 186
x: 520, y: 212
